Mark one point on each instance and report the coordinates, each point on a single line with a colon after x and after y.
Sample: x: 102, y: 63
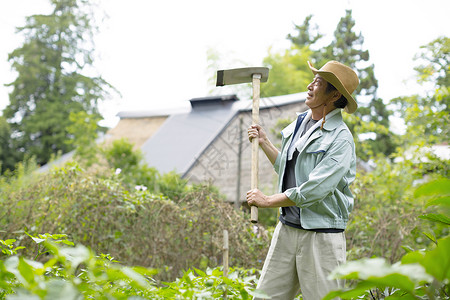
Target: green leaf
x: 137, y: 279
x: 69, y: 243
x: 413, y: 257
x: 400, y: 281
x: 76, y: 255
x: 26, y: 272
x: 145, y: 271
x: 430, y: 236
x: 9, y: 242
x: 359, y: 290
x: 408, y: 249
x: 258, y: 294
x: 377, y: 271
x: 445, y: 200
x: 115, y: 274
x: 61, y: 289
x: 440, y: 218
x: 200, y: 272
x: 435, y: 187
x: 437, y: 261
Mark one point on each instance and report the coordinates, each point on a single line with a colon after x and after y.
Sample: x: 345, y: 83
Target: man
x: 316, y: 165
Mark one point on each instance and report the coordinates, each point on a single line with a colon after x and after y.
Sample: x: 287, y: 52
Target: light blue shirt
x: 325, y: 168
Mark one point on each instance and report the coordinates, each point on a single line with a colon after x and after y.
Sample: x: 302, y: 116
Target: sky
x: 155, y: 52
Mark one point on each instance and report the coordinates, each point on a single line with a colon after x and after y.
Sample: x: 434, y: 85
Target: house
x: 208, y: 140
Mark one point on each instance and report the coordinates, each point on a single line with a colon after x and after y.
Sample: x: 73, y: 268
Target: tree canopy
x: 290, y: 73
x: 427, y: 116
x: 52, y: 67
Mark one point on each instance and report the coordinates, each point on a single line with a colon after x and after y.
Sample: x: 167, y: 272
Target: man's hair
x: 339, y: 103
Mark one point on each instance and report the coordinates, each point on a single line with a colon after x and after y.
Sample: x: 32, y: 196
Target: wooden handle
x: 256, y: 81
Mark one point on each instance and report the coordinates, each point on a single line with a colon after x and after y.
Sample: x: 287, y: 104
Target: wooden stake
x: 225, y: 253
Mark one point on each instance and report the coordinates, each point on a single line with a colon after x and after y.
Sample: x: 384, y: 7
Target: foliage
x: 84, y: 130
x: 381, y: 196
x: 420, y: 274
x: 347, y: 47
x: 75, y: 272
x: 427, y: 116
x: 51, y: 65
x: 136, y: 225
x: 239, y: 284
x: 306, y: 34
x: 7, y: 247
x: 121, y: 155
x: 290, y: 73
x: 135, y: 173
x: 384, y: 194
x: 436, y: 58
x: 7, y: 154
x: 218, y: 60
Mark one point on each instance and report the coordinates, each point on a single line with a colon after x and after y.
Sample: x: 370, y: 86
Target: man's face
x: 317, y: 94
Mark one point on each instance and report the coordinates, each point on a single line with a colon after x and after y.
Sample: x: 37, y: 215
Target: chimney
x: 213, y: 101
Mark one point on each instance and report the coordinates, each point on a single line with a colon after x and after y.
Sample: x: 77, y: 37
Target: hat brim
x: 331, y: 78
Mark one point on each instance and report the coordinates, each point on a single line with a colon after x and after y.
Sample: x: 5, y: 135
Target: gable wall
x: 136, y: 130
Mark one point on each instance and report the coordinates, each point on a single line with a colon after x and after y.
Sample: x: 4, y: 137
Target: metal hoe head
x: 241, y: 75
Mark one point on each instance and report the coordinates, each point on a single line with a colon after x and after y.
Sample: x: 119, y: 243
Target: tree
x: 347, y: 47
x: 372, y: 115
x: 306, y: 35
x: 427, y: 116
x: 84, y: 130
x: 7, y: 154
x: 51, y: 81
x: 289, y: 72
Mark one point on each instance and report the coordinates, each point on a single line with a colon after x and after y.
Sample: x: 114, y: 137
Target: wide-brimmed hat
x: 343, y: 78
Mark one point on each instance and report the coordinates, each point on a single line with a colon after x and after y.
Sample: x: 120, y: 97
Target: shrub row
x: 136, y: 226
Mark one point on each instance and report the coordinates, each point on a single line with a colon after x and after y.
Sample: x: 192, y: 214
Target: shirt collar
x: 332, y: 119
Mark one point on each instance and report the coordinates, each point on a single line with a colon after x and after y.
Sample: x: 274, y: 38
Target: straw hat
x: 343, y: 78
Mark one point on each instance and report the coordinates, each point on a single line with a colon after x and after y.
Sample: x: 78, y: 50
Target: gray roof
x: 183, y: 137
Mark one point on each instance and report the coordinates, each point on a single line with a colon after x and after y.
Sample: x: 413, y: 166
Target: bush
x: 140, y: 227
x: 385, y: 214
x: 134, y: 172
x: 420, y: 274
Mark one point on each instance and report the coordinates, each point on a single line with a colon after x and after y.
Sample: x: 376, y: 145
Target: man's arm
x: 256, y: 198
x: 256, y: 131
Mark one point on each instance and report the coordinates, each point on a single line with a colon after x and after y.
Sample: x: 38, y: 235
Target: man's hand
x: 256, y: 198
x: 256, y: 131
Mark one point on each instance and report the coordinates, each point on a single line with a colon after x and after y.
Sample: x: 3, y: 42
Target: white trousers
x: 301, y: 260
